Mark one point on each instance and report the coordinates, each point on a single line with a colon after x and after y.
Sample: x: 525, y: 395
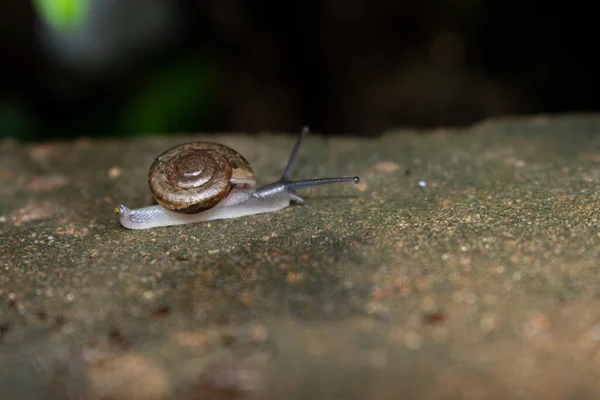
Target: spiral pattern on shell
x: 196, y: 176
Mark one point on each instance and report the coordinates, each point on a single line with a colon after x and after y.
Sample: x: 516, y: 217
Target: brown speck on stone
x: 404, y: 290
x: 436, y: 317
x: 59, y: 321
x: 260, y: 333
x: 191, y: 339
x: 246, y: 297
x: 114, y: 172
x: 228, y: 339
x: 537, y: 324
x: 520, y: 163
x: 386, y: 166
x: 380, y: 293
x: 293, y: 278
x: 46, y: 182
x: 4, y: 328
x: 446, y: 204
x: 161, y: 311
x: 41, y: 315
x: 118, y: 338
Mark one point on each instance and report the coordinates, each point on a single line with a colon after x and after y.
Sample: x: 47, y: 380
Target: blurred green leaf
x: 173, y: 99
x: 15, y: 122
x: 62, y: 14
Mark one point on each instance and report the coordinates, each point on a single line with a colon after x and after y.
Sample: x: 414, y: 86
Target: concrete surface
x: 481, y: 283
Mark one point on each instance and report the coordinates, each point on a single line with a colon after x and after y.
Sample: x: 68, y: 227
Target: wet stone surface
x: 466, y: 264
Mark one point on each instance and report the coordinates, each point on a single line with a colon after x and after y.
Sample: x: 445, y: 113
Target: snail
x: 203, y: 181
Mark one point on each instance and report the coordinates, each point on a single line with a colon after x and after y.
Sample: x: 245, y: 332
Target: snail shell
x: 196, y: 176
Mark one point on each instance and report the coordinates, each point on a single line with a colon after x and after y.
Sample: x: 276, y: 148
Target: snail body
x: 203, y: 181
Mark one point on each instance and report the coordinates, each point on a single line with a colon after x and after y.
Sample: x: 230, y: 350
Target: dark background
x: 341, y: 66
